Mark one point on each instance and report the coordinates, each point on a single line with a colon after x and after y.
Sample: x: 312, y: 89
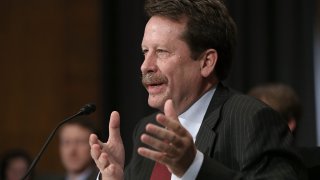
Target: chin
x: 157, y: 103
x: 77, y: 170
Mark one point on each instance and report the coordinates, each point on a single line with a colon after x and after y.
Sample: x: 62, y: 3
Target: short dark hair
x: 84, y: 122
x: 209, y: 25
x: 280, y: 97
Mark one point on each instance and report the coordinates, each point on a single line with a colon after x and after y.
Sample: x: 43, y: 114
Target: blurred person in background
x: 15, y: 164
x: 281, y: 98
x: 284, y: 99
x: 74, y: 150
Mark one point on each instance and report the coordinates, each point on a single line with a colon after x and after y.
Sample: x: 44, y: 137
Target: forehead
x: 73, y: 130
x: 19, y: 160
x: 162, y: 29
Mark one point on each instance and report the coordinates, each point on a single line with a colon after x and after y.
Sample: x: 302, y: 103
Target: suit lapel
x: 206, y: 136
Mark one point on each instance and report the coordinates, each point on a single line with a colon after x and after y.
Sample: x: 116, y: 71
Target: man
x: 284, y: 99
x: 281, y: 98
x: 14, y: 165
x: 75, y: 150
x: 205, y: 130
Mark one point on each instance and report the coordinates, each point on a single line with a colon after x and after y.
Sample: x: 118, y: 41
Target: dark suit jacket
x: 240, y: 137
x: 311, y: 158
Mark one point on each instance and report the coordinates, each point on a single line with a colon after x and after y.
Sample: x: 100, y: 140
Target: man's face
x: 74, y: 148
x: 16, y: 169
x: 168, y: 71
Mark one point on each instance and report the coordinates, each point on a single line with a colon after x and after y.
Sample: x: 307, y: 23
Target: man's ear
x: 208, y: 62
x: 292, y: 123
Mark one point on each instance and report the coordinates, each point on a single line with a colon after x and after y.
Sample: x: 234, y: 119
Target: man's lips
x: 155, y: 88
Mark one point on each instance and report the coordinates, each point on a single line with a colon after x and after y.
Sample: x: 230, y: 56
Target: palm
x: 115, y: 150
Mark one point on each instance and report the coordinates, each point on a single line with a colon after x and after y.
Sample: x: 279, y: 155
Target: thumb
x: 114, y: 127
x: 169, y: 110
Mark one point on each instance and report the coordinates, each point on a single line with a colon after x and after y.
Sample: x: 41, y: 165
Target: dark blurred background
x: 57, y: 55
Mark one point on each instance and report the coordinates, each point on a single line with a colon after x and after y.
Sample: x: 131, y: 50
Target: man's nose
x: 149, y: 64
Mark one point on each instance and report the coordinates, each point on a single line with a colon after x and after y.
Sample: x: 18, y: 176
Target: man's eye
x: 162, y: 53
x: 144, y: 51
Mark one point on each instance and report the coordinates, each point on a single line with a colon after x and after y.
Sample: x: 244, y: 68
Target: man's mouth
x: 154, y: 83
x: 154, y: 88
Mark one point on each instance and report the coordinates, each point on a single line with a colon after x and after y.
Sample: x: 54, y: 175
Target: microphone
x: 85, y: 110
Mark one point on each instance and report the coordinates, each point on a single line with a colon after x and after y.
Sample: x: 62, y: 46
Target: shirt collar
x: 192, y: 118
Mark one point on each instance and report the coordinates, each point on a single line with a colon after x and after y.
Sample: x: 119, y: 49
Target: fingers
x: 163, y: 134
x: 172, y: 135
x: 170, y: 119
x: 114, y: 127
x: 109, y: 156
x: 101, y: 159
x: 93, y: 139
x: 171, y: 145
x: 159, y: 145
x: 99, y: 150
x: 172, y: 124
x: 169, y: 109
x: 95, y: 146
x: 95, y: 151
x: 167, y: 141
x: 153, y: 155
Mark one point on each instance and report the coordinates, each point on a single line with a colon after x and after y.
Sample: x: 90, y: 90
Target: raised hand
x: 173, y: 145
x: 109, y: 157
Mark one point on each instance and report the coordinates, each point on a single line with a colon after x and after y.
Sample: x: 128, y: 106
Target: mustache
x: 153, y: 78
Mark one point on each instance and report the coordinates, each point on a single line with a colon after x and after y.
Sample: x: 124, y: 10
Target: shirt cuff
x: 193, y: 169
x: 99, y: 176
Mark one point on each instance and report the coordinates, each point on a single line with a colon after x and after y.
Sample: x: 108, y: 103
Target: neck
x: 189, y: 102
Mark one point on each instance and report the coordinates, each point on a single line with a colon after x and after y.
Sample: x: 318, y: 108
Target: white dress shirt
x: 192, y: 119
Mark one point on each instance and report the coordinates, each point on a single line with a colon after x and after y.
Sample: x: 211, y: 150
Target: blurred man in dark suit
x: 75, y: 150
x: 203, y: 130
x: 284, y: 99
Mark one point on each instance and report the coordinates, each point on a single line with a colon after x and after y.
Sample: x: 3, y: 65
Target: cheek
x: 84, y: 151
x: 65, y: 155
x: 184, y: 76
x: 63, y: 151
x: 67, y: 151
x: 193, y: 75
x: 179, y: 72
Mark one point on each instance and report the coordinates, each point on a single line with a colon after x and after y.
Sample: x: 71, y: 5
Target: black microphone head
x: 87, y: 109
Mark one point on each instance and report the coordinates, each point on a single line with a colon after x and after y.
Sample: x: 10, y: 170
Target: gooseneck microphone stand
x: 86, y: 110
